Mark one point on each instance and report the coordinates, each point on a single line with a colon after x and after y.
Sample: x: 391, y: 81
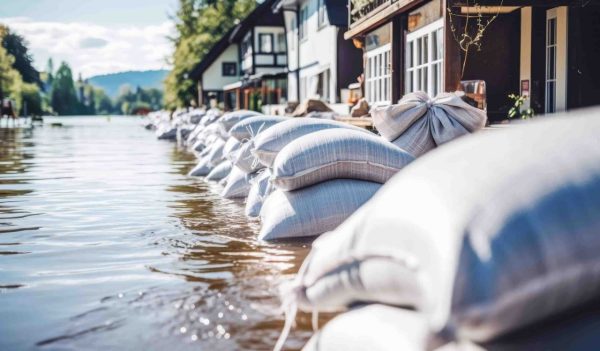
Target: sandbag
x: 238, y: 184
x: 494, y: 232
x: 418, y: 124
x: 312, y: 210
x: 219, y: 172
x: 229, y: 119
x: 202, y: 168
x: 231, y: 146
x: 216, y: 153
x: 245, y: 160
x: 270, y: 142
x: 249, y: 127
x: 259, y: 190
x: 373, y: 328
x: 337, y: 153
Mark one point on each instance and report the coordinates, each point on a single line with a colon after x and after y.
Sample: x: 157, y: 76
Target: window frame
x: 229, y: 63
x: 422, y: 67
x: 303, y: 25
x: 322, y: 20
x: 260, y: 43
x: 378, y: 75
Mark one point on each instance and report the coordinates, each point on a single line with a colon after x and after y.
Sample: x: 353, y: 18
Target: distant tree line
x: 199, y: 25
x: 56, y: 92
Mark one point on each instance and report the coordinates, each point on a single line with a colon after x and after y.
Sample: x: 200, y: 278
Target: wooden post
x: 452, y: 54
x: 398, y: 54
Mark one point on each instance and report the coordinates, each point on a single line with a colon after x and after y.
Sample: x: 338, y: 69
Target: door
x: 556, y: 60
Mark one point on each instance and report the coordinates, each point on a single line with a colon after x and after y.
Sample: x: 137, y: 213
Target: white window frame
x: 428, y: 65
x: 558, y: 49
x: 303, y: 25
x: 378, y: 75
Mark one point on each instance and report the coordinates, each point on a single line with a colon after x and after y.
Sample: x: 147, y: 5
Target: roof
x: 211, y: 56
x: 337, y: 10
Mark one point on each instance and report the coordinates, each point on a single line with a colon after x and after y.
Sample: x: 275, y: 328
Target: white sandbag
x: 312, y: 210
x: 337, y: 153
x: 231, y: 146
x: 229, y: 119
x: 238, y: 184
x: 245, y: 160
x: 418, y: 124
x: 373, y: 328
x: 259, y: 190
x: 249, y: 127
x: 216, y: 153
x: 221, y: 171
x: 270, y: 142
x: 493, y: 233
x: 202, y: 168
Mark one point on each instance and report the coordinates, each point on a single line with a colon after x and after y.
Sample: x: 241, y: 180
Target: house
x: 246, y: 69
x: 546, y: 50
x: 219, y: 67
x: 321, y: 63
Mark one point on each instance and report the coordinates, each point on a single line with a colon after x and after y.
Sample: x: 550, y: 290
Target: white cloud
x: 93, y: 49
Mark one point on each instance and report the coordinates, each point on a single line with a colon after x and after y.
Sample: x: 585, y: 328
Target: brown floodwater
x: 106, y: 244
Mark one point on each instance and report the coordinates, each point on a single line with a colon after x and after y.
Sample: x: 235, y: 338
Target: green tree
x: 199, y: 24
x: 102, y: 103
x: 32, y: 100
x: 63, y: 96
x: 10, y: 79
x: 16, y: 46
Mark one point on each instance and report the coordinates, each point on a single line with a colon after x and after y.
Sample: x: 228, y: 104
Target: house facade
x: 321, y: 63
x: 246, y: 69
x: 545, y: 50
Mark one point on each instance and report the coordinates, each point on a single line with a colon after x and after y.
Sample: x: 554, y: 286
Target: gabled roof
x: 261, y: 15
x: 211, y: 56
x: 337, y: 10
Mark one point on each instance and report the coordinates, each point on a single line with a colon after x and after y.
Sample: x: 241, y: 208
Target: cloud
x: 93, y: 49
x: 90, y: 42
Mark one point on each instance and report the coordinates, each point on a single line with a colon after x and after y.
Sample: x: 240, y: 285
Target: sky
x: 94, y: 36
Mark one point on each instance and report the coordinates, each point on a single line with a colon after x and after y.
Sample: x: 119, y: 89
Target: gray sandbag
x: 202, y: 168
x: 245, y: 160
x: 229, y: 119
x: 488, y: 235
x: 268, y: 143
x: 231, y: 146
x: 418, y: 124
x: 238, y: 184
x: 216, y: 153
x: 249, y: 127
x: 312, y: 210
x: 374, y: 328
x: 337, y: 153
x: 259, y: 190
x: 220, y: 171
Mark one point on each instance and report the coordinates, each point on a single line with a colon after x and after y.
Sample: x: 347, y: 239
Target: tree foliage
x: 64, y: 96
x: 16, y: 46
x: 199, y: 24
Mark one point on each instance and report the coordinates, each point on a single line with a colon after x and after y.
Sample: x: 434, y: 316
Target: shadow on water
x: 105, y: 243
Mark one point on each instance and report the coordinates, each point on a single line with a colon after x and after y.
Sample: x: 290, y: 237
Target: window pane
x: 426, y: 48
x: 409, y: 55
x: 424, y: 80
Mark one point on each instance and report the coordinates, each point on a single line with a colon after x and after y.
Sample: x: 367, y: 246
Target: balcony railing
x: 362, y: 9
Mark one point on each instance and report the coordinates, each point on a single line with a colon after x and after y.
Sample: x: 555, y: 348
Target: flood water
x: 106, y: 244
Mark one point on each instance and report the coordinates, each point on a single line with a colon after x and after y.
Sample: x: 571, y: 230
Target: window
x: 424, y: 59
x: 265, y: 42
x: 322, y: 13
x: 323, y: 85
x: 303, y: 22
x: 229, y: 69
x: 378, y: 77
x: 280, y: 42
x: 551, y: 44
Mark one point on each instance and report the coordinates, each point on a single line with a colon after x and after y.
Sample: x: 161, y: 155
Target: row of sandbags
x: 489, y: 243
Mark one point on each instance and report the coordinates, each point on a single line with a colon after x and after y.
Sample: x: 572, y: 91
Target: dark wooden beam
x: 399, y: 25
x: 536, y: 3
x: 452, y: 54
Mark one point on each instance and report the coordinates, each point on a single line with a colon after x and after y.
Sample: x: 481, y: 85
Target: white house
x: 321, y: 64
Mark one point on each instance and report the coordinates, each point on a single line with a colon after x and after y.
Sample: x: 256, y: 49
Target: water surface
x: 105, y: 243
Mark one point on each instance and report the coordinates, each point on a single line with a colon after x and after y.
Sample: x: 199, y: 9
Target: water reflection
x: 106, y: 244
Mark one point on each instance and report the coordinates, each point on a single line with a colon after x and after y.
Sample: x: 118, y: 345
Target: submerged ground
x: 105, y: 243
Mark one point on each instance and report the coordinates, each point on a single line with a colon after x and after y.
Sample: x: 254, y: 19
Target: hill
x: 145, y: 79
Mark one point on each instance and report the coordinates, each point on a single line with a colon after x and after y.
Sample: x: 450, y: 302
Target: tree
x: 16, y: 46
x: 10, y: 79
x: 32, y: 100
x: 102, y: 103
x: 199, y: 24
x: 64, y: 97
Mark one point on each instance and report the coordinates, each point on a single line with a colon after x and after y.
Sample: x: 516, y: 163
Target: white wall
x: 318, y: 50
x: 213, y: 78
